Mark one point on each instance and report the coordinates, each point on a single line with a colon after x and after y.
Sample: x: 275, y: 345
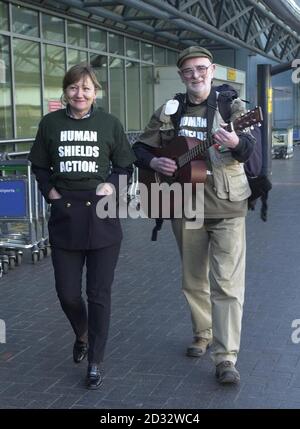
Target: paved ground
x: 145, y: 364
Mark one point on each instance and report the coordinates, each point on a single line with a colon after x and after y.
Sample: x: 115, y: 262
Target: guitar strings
x: 195, y: 151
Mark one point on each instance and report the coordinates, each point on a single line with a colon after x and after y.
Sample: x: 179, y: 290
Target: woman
x: 71, y: 158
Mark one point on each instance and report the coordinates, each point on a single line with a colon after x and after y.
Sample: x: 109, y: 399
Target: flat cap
x: 193, y: 52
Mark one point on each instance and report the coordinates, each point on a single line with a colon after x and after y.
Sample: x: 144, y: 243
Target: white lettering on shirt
x: 198, y: 124
x: 77, y: 150
x: 78, y: 166
x: 78, y: 136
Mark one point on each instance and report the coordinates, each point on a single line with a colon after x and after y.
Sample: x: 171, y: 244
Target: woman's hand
x: 54, y: 195
x: 104, y: 189
x: 166, y: 166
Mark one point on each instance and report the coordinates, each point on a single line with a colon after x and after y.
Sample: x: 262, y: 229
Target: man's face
x: 197, y: 74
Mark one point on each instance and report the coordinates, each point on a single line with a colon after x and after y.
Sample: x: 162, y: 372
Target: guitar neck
x: 195, y: 151
x: 200, y: 148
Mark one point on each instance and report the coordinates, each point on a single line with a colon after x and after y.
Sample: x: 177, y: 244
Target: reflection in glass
x: 98, y: 39
x: 159, y: 56
x: 116, y: 44
x: 147, y: 51
x: 3, y: 16
x: 76, y: 34
x: 22, y: 147
x: 6, y: 147
x: 147, y: 93
x: 99, y: 63
x: 76, y: 57
x: 132, y: 48
x: 133, y: 96
x: 54, y: 69
x: 5, y: 91
x: 27, y: 85
x: 171, y: 57
x: 25, y: 21
x: 117, y: 88
x: 53, y: 28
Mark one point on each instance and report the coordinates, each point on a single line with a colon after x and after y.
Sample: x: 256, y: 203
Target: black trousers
x: 100, y: 266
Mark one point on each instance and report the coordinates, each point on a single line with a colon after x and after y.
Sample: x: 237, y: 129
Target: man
x: 213, y: 256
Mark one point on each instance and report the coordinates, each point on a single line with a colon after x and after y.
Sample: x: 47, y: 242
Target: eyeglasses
x: 201, y: 70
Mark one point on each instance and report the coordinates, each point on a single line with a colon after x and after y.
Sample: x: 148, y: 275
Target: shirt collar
x: 69, y: 113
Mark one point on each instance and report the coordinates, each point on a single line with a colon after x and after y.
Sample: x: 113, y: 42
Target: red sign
x: 54, y: 105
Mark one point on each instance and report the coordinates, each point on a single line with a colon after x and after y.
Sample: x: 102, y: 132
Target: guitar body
x: 192, y: 172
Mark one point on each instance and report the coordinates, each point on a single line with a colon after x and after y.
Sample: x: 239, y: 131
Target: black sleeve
x: 122, y: 156
x: 143, y: 155
x: 245, y: 147
x: 43, y: 177
x: 39, y: 155
x: 113, y: 177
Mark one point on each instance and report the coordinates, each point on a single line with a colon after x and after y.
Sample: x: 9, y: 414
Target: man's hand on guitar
x: 226, y: 138
x: 166, y: 166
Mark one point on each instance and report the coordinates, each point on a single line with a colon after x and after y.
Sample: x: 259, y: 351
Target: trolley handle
x: 17, y: 163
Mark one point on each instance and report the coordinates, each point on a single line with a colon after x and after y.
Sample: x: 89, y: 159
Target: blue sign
x: 13, y: 198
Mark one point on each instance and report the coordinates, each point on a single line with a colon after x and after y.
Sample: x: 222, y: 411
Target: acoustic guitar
x: 187, y: 153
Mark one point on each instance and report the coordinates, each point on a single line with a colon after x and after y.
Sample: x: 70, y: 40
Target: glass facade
x: 116, y: 44
x: 54, y: 70
x: 25, y: 21
x: 75, y: 57
x: 117, y: 88
x: 99, y: 63
x: 132, y: 48
x: 76, y: 34
x: 98, y: 39
x: 27, y: 87
x: 133, y: 96
x: 53, y: 28
x: 6, y: 122
x: 147, y: 52
x: 171, y: 57
x: 160, y: 56
x: 147, y: 93
x: 3, y: 16
x: 45, y: 45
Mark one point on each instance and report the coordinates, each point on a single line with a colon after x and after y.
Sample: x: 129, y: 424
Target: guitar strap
x: 211, y: 109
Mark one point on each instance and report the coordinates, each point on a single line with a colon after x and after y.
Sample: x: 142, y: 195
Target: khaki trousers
x: 213, y: 271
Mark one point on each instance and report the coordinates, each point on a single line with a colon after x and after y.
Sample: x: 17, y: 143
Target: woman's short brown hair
x: 75, y: 73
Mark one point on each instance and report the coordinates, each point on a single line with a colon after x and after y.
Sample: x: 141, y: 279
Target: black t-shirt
x: 79, y: 152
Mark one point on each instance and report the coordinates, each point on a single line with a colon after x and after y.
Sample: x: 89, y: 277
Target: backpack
x: 259, y: 183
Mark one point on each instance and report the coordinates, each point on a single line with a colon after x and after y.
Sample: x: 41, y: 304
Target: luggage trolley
x: 22, y: 215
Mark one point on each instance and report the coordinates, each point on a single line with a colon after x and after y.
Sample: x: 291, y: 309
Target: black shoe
x: 94, y: 377
x: 80, y: 350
